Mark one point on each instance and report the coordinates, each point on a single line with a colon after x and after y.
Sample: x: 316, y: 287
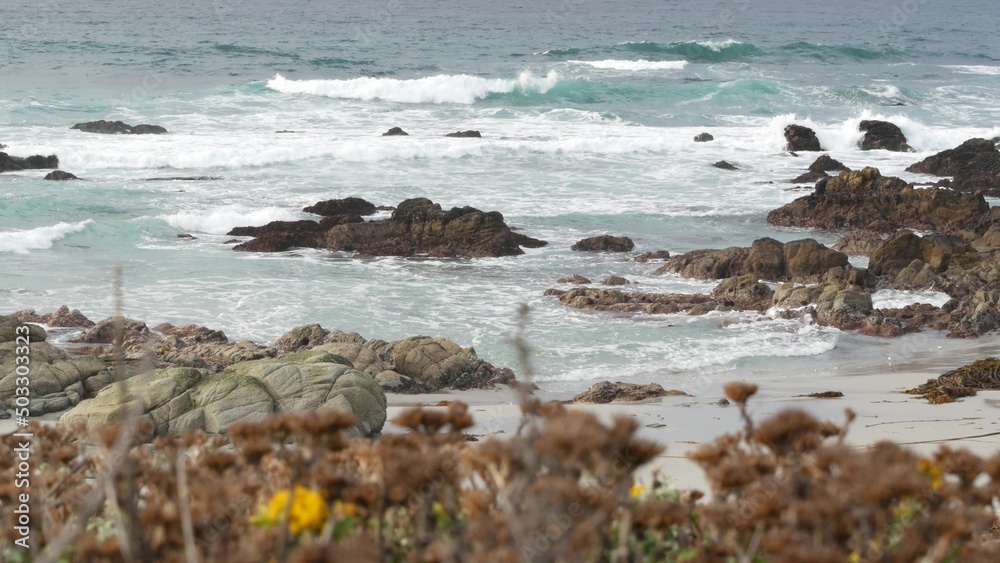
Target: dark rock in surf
x: 615, y: 280
x: 975, y: 165
x: 278, y: 236
x: 465, y: 134
x: 345, y: 206
x: 801, y: 138
x: 654, y: 255
x: 395, y: 132
x: 118, y: 128
x: 421, y: 227
x: 14, y: 163
x: 722, y: 164
x: 882, y: 135
x: 604, y: 243
x: 60, y: 175
x: 574, y: 279
x: 703, y: 138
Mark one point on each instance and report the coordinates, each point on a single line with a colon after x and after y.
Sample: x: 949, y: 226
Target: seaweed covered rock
x: 865, y: 198
x: 882, y: 135
x: 177, y: 400
x: 421, y: 227
x: 974, y: 165
x: 605, y: 392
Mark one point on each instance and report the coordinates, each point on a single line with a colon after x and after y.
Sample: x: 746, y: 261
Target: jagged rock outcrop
x: 865, y: 198
x: 974, y: 165
x: 818, y: 170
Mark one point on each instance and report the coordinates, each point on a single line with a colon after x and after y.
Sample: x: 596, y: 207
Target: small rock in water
x: 575, y: 278
x: 703, y: 138
x: 604, y: 243
x: 725, y: 165
x: 60, y: 175
x: 395, y: 132
x: 655, y: 255
x: 468, y: 134
x: 615, y: 280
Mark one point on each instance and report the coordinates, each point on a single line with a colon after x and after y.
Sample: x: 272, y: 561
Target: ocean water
x: 587, y: 110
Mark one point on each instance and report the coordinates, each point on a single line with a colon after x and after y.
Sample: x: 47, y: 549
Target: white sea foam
x: 221, y: 221
x: 439, y: 89
x: 40, y: 238
x: 976, y: 69
x: 639, y: 65
x: 895, y: 299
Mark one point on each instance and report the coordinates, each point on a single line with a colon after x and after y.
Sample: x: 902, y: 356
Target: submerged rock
x: 467, y: 134
x: 574, y: 279
x: 703, y: 138
x: 722, y: 164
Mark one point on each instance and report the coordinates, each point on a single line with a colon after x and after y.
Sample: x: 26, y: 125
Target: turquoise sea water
x: 587, y: 108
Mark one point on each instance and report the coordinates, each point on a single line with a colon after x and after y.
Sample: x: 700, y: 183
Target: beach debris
x: 961, y: 382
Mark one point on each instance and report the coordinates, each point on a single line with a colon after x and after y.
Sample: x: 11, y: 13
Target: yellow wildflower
x: 932, y: 472
x: 637, y: 491
x: 307, y: 512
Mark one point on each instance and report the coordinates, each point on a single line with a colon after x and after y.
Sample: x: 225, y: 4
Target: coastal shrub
x: 296, y: 488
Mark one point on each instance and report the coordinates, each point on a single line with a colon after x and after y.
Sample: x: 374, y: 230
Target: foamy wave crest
x: 639, y: 65
x: 976, y: 69
x: 440, y: 89
x: 221, y: 222
x: 41, y: 238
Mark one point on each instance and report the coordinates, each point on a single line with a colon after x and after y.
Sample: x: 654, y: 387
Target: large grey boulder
x: 185, y: 399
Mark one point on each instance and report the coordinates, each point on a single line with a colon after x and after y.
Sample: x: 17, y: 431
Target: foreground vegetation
x: 296, y: 488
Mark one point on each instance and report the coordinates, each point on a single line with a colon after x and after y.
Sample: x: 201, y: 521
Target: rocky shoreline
x: 193, y: 378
